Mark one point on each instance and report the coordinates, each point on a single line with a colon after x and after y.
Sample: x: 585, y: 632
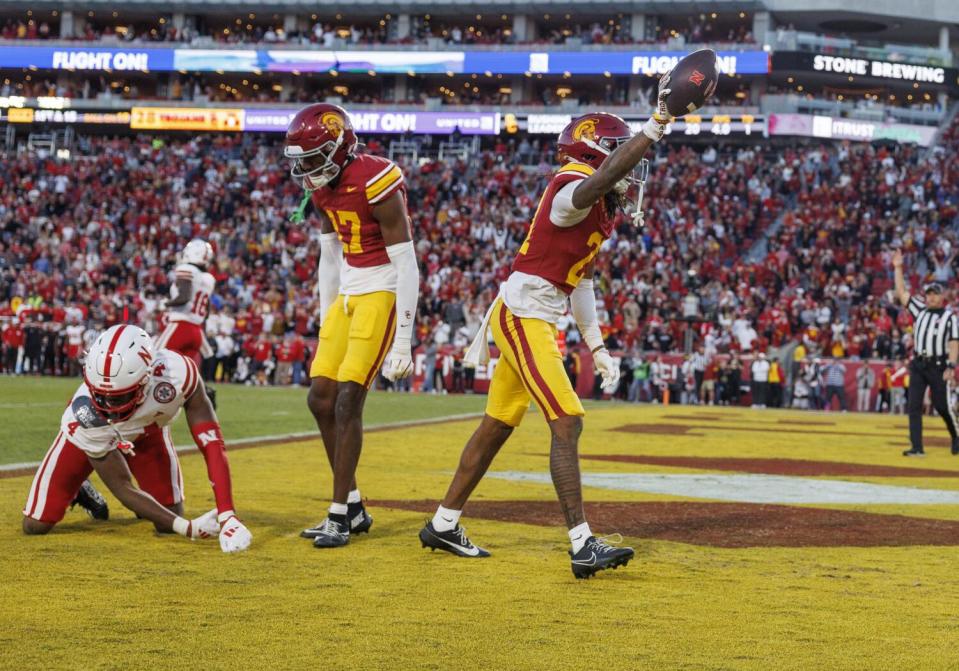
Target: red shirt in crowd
x: 262, y: 350
x: 13, y: 336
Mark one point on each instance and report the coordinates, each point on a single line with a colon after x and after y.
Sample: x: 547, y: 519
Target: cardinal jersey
x: 366, y: 182
x: 196, y: 309
x: 551, y: 261
x: 172, y: 381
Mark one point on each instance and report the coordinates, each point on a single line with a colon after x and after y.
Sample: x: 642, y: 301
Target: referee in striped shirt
x: 936, y: 351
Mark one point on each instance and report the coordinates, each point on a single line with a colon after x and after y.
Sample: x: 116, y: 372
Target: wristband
x: 596, y: 349
x: 654, y: 129
x: 181, y: 525
x: 206, y: 433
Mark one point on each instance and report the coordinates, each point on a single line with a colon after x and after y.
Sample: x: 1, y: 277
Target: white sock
x: 578, y: 536
x: 338, y: 509
x: 354, y: 496
x: 446, y: 519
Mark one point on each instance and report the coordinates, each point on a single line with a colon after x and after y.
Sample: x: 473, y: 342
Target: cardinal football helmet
x: 320, y: 141
x: 591, y: 138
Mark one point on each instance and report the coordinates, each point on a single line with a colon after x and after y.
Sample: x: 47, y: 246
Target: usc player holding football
x: 368, y: 285
x: 553, y: 268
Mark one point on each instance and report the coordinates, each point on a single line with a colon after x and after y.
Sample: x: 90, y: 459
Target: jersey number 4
x: 347, y: 223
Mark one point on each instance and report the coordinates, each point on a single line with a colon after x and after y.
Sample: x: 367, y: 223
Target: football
x: 691, y: 82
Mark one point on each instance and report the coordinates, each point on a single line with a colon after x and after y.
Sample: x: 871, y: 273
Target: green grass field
x: 758, y: 587
x: 31, y: 408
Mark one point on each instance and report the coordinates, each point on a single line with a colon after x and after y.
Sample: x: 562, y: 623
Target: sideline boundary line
x: 28, y: 468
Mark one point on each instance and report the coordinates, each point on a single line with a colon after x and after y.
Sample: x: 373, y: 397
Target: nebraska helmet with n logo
x: 591, y: 138
x: 198, y: 253
x: 320, y: 141
x: 117, y: 369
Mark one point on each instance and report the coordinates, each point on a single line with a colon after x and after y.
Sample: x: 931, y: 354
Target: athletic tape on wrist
x: 181, y: 525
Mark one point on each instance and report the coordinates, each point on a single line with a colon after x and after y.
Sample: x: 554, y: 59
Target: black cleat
x: 913, y: 452
x: 92, y: 501
x: 955, y: 446
x: 598, y: 555
x: 360, y: 522
x: 331, y: 534
x: 454, y: 541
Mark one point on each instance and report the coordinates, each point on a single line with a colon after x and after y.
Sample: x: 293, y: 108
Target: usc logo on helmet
x: 333, y: 122
x: 585, y: 130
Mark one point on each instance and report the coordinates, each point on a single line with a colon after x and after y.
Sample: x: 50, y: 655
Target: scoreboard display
x: 690, y: 125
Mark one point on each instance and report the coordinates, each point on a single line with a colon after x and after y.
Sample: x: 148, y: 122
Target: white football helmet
x: 198, y: 253
x: 117, y: 369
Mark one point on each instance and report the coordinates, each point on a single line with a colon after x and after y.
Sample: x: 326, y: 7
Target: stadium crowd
x: 747, y: 249
x: 330, y: 32
x: 360, y: 89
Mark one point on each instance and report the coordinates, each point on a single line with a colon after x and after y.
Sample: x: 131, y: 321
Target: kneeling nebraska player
x: 118, y: 425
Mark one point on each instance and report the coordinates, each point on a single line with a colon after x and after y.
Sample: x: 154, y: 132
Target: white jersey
x: 75, y: 335
x: 173, y: 380
x: 202, y: 284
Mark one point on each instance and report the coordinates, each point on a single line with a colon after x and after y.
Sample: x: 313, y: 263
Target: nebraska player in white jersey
x: 118, y: 425
x: 74, y: 332
x: 189, y: 302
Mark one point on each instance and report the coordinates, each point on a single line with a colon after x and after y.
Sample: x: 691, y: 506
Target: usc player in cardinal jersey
x: 368, y: 284
x: 554, y: 267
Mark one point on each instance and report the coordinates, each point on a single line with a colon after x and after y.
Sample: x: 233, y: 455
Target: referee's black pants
x: 924, y: 374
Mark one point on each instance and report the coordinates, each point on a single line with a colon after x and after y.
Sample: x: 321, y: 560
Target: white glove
x: 204, y: 526
x: 608, y: 369
x: 234, y: 536
x: 655, y: 126
x: 399, y: 362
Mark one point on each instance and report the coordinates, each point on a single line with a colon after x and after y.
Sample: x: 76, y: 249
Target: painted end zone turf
x: 716, y: 585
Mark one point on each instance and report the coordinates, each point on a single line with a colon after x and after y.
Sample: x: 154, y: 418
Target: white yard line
x: 751, y: 488
x: 288, y: 437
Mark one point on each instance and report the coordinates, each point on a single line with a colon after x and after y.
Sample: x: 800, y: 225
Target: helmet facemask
x: 117, y: 405
x: 320, y: 170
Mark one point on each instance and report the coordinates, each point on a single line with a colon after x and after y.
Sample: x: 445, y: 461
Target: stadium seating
x: 787, y: 239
